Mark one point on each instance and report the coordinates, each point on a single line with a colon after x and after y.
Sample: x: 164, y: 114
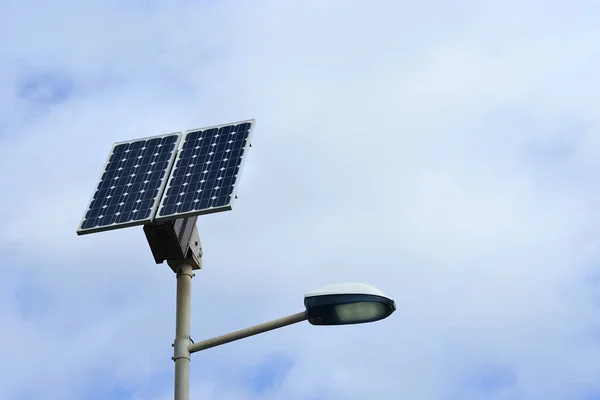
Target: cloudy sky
x: 445, y: 152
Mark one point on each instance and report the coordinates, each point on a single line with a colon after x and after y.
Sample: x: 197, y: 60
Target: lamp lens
x: 361, y: 311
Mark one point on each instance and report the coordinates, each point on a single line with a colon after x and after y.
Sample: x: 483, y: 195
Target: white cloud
x: 446, y: 153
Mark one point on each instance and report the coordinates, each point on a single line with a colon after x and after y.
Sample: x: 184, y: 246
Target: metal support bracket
x: 175, y: 241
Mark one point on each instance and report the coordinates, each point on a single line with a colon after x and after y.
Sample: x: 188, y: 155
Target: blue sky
x: 446, y: 153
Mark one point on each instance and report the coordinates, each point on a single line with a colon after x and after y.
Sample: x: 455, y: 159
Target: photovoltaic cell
x: 206, y: 171
x: 131, y: 184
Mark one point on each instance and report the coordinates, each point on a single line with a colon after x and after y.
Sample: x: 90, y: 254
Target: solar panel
x: 206, y: 171
x: 131, y: 184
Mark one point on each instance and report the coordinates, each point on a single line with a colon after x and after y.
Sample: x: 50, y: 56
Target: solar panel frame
x: 228, y: 206
x: 157, y: 200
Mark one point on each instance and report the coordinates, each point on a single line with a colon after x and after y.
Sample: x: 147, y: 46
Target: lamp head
x: 347, y: 303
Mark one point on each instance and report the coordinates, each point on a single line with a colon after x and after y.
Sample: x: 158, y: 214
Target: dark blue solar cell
x: 206, y: 171
x: 130, y: 184
x: 120, y: 148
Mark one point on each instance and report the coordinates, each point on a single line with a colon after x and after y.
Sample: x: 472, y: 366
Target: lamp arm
x: 247, y: 332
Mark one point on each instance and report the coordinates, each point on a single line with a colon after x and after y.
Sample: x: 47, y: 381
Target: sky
x: 445, y: 152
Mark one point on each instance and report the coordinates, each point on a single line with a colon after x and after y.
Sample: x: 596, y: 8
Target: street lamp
x: 341, y: 304
x: 164, y: 183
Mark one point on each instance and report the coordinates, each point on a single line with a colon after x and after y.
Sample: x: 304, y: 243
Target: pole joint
x: 181, y: 350
x: 181, y: 272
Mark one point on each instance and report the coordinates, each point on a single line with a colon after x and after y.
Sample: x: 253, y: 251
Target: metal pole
x: 244, y: 333
x: 181, y: 354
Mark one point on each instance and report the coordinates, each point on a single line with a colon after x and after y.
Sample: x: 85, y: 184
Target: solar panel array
x: 206, y: 171
x: 163, y: 177
x: 131, y: 185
